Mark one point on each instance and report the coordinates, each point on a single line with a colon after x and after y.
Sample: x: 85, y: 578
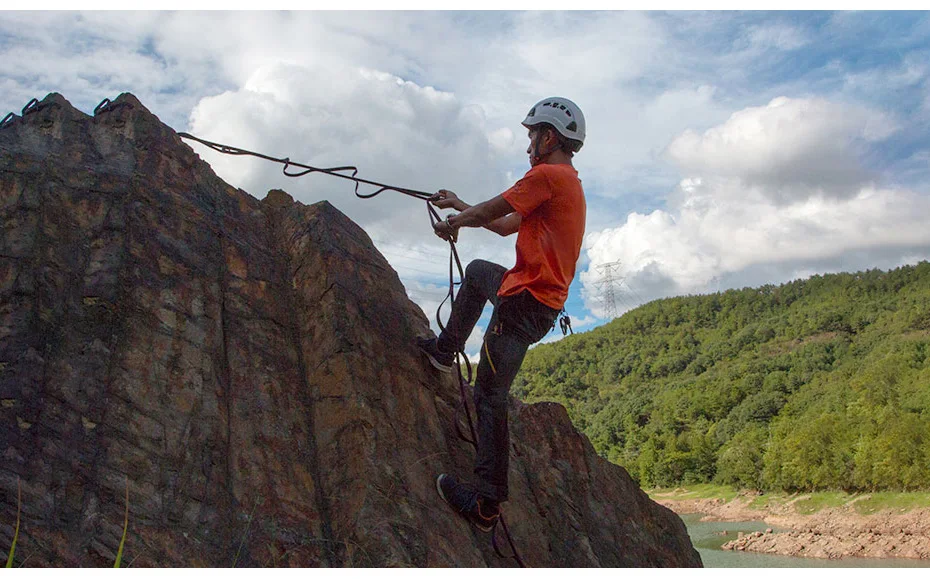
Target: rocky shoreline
x: 831, y: 533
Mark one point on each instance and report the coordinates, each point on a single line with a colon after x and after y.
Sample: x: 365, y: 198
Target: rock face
x: 247, y: 368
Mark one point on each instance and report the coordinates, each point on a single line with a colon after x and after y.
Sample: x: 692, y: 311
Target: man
x: 547, y: 209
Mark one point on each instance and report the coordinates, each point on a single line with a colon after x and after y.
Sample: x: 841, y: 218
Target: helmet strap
x: 537, y: 155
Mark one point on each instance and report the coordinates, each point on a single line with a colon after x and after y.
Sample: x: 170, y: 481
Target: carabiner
x: 103, y: 106
x: 31, y: 107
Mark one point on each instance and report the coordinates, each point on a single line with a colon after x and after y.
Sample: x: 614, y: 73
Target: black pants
x: 517, y: 322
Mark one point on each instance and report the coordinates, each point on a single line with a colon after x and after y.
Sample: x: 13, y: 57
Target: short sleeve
x: 529, y: 192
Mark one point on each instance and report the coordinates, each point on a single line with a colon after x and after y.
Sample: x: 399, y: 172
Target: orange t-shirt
x: 550, y: 200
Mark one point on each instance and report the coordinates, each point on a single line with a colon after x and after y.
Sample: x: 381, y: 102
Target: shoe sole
x: 442, y: 495
x: 436, y: 363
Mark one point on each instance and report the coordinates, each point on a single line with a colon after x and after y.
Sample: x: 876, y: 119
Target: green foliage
x: 739, y: 460
x: 816, y: 384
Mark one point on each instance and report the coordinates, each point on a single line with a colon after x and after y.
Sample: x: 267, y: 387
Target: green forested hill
x: 821, y: 383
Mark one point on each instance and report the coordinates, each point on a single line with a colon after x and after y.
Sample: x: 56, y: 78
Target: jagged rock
x: 247, y: 368
x: 278, y: 198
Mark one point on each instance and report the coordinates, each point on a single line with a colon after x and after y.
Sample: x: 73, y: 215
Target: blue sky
x: 725, y: 149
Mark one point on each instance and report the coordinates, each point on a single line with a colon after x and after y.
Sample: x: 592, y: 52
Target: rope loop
x: 7, y: 120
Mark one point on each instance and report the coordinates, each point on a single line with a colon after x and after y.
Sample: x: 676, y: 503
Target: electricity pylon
x: 609, y: 281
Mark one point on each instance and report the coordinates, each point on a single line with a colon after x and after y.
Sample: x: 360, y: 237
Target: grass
x: 768, y: 500
x: 697, y: 491
x: 19, y: 502
x: 803, y: 503
x: 246, y: 534
x: 122, y: 542
x: 876, y: 502
x: 813, y: 502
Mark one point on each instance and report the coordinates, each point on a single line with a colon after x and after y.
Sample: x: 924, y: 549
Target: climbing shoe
x: 440, y: 360
x: 467, y: 503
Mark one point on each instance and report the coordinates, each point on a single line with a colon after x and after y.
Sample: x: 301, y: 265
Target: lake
x: 707, y: 539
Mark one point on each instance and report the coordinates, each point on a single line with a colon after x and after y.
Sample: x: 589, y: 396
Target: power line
x: 636, y: 294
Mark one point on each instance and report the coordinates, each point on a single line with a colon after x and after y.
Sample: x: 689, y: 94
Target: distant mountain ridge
x: 821, y: 383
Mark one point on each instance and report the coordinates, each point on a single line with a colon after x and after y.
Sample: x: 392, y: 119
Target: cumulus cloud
x: 781, y: 184
x: 788, y: 148
x: 395, y: 131
x: 434, y: 99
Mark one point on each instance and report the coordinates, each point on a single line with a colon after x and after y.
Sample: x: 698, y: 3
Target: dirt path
x: 830, y: 533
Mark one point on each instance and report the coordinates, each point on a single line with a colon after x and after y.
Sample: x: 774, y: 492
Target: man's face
x: 533, y: 133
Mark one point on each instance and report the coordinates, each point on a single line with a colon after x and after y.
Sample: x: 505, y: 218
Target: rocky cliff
x: 247, y: 368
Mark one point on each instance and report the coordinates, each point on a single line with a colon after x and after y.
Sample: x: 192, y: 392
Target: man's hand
x: 445, y: 199
x: 446, y: 231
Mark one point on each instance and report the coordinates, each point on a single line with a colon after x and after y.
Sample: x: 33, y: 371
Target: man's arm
x: 503, y: 226
x: 482, y: 214
x: 507, y: 225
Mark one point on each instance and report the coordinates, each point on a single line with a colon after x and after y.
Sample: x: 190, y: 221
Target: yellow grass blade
x: 122, y: 543
x: 19, y: 502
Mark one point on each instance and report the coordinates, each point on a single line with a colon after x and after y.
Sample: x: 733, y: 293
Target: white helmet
x: 562, y: 114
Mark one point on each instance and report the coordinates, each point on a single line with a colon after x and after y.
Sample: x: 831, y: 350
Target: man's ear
x: 550, y: 136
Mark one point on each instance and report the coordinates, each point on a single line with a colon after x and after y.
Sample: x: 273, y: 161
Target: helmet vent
x: 532, y: 112
x: 572, y: 126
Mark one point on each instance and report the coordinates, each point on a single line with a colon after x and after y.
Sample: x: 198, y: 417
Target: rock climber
x: 546, y: 208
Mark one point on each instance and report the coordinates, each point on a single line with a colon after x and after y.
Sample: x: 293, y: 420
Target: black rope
x: 454, y: 263
x: 333, y: 171
x: 459, y: 356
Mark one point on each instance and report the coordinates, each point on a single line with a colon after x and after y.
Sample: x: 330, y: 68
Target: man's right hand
x: 446, y: 231
x: 445, y: 199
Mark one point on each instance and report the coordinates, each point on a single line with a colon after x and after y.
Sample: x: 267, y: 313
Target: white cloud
x: 912, y: 71
x: 768, y: 186
x: 788, y: 148
x: 705, y: 240
x: 324, y: 115
x: 334, y: 88
x: 778, y: 36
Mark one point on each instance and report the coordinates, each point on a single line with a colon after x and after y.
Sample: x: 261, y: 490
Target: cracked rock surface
x: 248, y: 369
